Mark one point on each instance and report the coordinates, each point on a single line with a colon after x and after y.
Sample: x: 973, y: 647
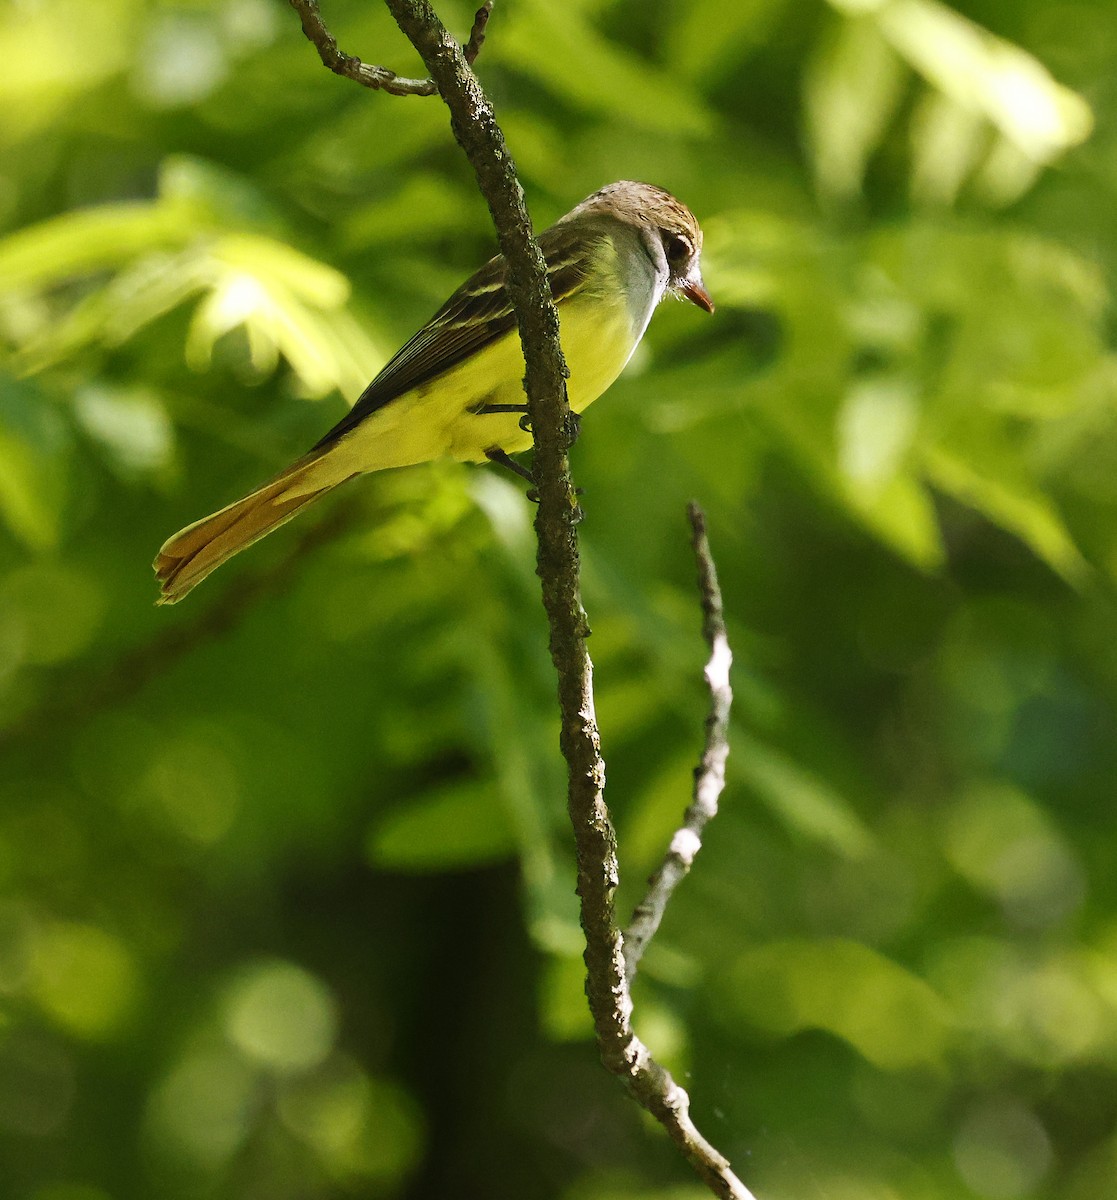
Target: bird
x: 455, y: 388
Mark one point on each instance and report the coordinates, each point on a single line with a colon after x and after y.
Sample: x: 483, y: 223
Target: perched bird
x: 455, y: 389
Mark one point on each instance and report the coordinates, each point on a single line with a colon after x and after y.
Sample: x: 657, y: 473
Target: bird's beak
x: 695, y: 291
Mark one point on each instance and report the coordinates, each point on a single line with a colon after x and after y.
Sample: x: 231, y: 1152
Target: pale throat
x: 602, y: 325
x: 599, y: 326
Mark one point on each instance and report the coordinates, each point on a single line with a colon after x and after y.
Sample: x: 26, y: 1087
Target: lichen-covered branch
x: 709, y: 775
x: 476, y: 130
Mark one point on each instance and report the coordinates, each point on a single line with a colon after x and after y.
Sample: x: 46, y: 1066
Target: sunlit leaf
x: 138, y: 295
x: 876, y: 427
x: 1010, y: 87
x: 979, y: 82
x: 362, y: 1127
x: 888, y: 1014
x: 947, y: 142
x: 280, y: 1016
x: 425, y: 205
x: 1006, y: 174
x: 562, y: 999
x: 313, y: 282
x: 79, y: 242
x: 85, y: 979
x: 89, y: 44
x: 184, y: 59
x: 58, y: 607
x: 850, y: 94
x: 132, y: 425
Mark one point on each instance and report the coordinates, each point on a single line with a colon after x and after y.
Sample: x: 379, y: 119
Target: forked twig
x: 382, y: 79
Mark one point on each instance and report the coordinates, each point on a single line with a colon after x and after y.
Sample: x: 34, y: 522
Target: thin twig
x: 382, y: 79
x: 477, y: 33
x: 474, y: 125
x: 709, y: 775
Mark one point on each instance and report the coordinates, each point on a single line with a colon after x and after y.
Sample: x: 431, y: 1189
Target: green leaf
x: 877, y: 427
x: 800, y: 798
x: 565, y: 52
x: 948, y: 139
x: 131, y: 425
x: 996, y: 78
x: 563, y: 1011
x: 34, y: 465
x: 216, y: 195
x: 994, y: 111
x: 742, y: 28
x: 311, y: 282
x: 31, y: 493
x: 461, y: 825
x: 425, y: 206
x: 851, y: 90
x: 290, y: 306
x: 95, y: 239
x: 136, y: 296
x: 902, y: 514
x: 890, y: 1016
x: 90, y: 44
x: 58, y: 609
x: 1014, y: 505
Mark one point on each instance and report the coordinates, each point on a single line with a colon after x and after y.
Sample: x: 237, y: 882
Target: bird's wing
x: 477, y: 314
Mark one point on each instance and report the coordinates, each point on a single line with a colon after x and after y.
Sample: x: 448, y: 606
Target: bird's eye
x: 677, y: 248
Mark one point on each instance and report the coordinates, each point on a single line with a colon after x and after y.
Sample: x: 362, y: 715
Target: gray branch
x: 709, y: 775
x: 475, y: 128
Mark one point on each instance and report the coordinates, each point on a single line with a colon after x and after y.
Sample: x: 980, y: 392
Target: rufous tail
x: 186, y: 558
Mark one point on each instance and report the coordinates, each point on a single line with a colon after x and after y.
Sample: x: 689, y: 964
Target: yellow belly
x: 597, y: 340
x: 439, y: 419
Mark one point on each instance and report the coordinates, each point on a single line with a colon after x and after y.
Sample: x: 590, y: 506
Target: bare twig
x: 709, y: 775
x: 474, y: 125
x: 379, y: 78
x: 477, y: 33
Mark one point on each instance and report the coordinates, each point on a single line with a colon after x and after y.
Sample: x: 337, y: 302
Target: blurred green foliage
x: 285, y: 880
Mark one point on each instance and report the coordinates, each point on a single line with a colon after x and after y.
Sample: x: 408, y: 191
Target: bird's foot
x: 496, y: 455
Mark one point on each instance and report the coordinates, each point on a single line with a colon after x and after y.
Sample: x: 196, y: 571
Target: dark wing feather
x: 477, y: 314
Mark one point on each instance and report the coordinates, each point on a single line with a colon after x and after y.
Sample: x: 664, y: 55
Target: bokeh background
x: 286, y: 901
